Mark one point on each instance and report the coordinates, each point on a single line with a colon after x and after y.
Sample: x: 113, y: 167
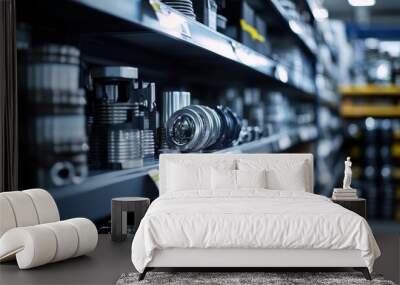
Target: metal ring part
x: 198, y: 127
x: 184, y: 130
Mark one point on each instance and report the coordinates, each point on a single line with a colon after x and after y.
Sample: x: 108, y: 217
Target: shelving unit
x: 330, y: 140
x: 360, y: 111
x: 140, y: 24
x: 308, y: 44
x: 374, y: 111
x: 177, y: 53
x: 370, y: 90
x: 171, y: 49
x: 351, y: 108
x: 98, y: 189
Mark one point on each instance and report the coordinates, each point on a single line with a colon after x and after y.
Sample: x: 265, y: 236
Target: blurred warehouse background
x: 103, y: 94
x: 105, y: 87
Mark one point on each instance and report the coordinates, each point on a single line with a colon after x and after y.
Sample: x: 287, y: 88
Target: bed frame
x: 244, y: 258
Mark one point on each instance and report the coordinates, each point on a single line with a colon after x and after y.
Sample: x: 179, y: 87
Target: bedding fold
x: 251, y: 218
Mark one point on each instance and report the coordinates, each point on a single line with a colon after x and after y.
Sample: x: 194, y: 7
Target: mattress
x: 250, y: 219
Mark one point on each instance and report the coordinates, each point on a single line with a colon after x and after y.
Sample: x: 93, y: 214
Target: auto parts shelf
x: 95, y: 193
x: 120, y: 32
x: 168, y: 34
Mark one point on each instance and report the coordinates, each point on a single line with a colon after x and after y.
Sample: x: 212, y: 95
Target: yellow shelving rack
x: 358, y: 111
x: 352, y: 109
x: 370, y: 90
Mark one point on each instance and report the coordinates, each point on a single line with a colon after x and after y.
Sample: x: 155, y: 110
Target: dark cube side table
x: 357, y: 205
x: 120, y: 207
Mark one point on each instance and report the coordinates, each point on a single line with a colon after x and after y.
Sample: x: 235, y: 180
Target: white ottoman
x: 31, y: 231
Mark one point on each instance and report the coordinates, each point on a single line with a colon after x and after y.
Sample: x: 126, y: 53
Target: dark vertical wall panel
x: 8, y: 98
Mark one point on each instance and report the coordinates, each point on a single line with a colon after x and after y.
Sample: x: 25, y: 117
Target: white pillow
x: 226, y: 179
x: 188, y: 175
x: 295, y: 180
x: 251, y: 178
x: 288, y: 174
x: 223, y: 179
x: 182, y: 177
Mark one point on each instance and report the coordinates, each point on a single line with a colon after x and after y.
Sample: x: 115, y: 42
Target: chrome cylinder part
x: 173, y: 101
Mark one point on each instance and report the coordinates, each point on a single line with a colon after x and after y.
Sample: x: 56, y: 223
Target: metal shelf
x: 276, y: 143
x: 166, y: 38
x: 92, y: 198
x: 307, y: 43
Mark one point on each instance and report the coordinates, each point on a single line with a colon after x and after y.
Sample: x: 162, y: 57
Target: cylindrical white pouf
x: 87, y: 234
x: 7, y: 218
x: 34, y: 246
x: 67, y: 240
x: 23, y: 208
x: 40, y: 244
x: 45, y: 205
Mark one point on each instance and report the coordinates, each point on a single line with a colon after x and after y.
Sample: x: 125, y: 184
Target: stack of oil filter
x: 115, y: 143
x: 53, y: 134
x: 197, y: 127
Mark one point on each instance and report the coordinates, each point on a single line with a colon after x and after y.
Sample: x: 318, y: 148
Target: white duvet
x: 250, y: 219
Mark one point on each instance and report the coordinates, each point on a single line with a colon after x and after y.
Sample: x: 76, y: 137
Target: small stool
x: 120, y: 207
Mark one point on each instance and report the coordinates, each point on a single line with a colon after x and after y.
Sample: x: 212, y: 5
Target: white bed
x: 248, y: 227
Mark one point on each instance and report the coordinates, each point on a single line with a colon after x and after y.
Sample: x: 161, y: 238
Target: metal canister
x: 172, y: 101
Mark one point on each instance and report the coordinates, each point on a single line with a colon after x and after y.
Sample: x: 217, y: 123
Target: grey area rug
x: 233, y: 278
